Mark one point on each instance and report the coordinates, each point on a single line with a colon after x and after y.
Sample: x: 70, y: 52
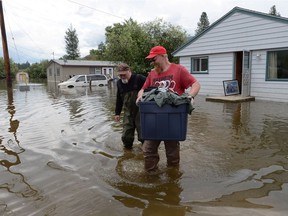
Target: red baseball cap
x: 157, y: 50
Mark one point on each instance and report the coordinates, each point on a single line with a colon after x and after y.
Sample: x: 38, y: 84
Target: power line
x: 97, y: 9
x: 27, y: 34
x: 13, y: 39
x: 18, y: 50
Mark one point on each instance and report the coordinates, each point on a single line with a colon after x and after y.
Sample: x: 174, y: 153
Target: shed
x: 22, y: 77
x: 61, y: 70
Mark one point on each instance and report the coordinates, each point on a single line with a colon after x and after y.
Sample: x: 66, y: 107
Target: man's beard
x: 157, y: 68
x: 124, y: 81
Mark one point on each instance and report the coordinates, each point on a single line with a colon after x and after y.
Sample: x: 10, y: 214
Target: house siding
x: 262, y: 89
x: 240, y: 31
x: 220, y: 68
x: 68, y: 72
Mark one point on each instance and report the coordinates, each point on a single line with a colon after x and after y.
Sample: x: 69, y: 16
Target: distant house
x: 61, y: 70
x: 248, y: 46
x: 22, y: 77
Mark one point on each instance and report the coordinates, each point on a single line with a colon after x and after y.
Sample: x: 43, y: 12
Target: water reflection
x: 14, y: 182
x: 14, y: 124
x: 156, y: 193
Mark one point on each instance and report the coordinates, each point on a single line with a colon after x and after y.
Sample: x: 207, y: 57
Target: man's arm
x: 139, y: 96
x: 195, y: 88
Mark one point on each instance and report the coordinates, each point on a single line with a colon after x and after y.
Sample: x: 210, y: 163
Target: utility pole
x: 5, y: 48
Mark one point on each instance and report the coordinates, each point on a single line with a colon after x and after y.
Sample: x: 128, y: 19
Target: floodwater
x: 61, y: 154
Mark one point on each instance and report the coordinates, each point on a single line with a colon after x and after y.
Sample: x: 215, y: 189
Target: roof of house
x: 231, y: 12
x: 82, y: 63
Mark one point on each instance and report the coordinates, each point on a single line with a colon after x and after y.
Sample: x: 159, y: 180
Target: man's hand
x: 192, y: 101
x: 138, y: 99
x: 139, y: 96
x: 117, y: 118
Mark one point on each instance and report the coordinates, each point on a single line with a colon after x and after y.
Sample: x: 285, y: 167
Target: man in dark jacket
x: 127, y: 89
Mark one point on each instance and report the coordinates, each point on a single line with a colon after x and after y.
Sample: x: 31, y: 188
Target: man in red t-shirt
x: 164, y: 70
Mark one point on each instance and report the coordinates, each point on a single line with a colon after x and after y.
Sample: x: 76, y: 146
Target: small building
x: 244, y: 45
x: 22, y: 77
x: 62, y: 70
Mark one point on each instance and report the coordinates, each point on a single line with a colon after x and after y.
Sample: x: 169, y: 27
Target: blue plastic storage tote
x: 163, y: 123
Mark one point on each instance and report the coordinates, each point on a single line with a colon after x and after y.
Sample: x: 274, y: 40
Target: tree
x: 71, y: 40
x: 23, y: 65
x: 97, y: 54
x: 273, y: 11
x: 202, y: 24
x: 125, y: 42
x: 165, y: 34
x: 13, y: 68
x: 131, y: 42
x: 38, y: 70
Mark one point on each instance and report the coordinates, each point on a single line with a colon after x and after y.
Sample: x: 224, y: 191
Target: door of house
x: 238, y: 69
x: 246, y: 74
x: 242, y: 71
x: 108, y: 71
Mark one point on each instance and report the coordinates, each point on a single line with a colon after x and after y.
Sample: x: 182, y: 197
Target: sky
x: 35, y: 29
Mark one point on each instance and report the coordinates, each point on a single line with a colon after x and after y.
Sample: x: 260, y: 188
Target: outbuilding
x: 62, y: 70
x: 243, y: 47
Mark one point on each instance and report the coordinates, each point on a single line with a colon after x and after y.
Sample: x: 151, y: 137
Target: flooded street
x: 61, y: 154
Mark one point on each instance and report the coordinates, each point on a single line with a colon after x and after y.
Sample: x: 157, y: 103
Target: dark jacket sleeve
x: 141, y: 80
x: 119, y: 101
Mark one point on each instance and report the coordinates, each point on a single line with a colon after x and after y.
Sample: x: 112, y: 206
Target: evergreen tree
x: 202, y: 24
x: 273, y: 11
x: 71, y: 40
x: 23, y: 65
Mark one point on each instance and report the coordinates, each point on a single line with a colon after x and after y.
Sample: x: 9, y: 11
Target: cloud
x: 36, y: 28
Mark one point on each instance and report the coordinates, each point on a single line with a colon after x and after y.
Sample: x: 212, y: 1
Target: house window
x: 277, y: 65
x: 98, y: 70
x: 50, y: 71
x: 199, y: 64
x: 58, y: 71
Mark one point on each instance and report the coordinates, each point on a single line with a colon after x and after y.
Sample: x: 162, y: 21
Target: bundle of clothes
x: 167, y: 97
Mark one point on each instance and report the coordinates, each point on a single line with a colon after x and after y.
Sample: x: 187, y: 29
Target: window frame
x: 97, y: 70
x: 81, y: 79
x: 268, y: 73
x: 58, y: 71
x: 200, y: 58
x: 96, y: 77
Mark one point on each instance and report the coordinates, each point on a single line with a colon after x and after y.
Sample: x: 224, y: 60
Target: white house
x: 244, y: 45
x: 61, y: 70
